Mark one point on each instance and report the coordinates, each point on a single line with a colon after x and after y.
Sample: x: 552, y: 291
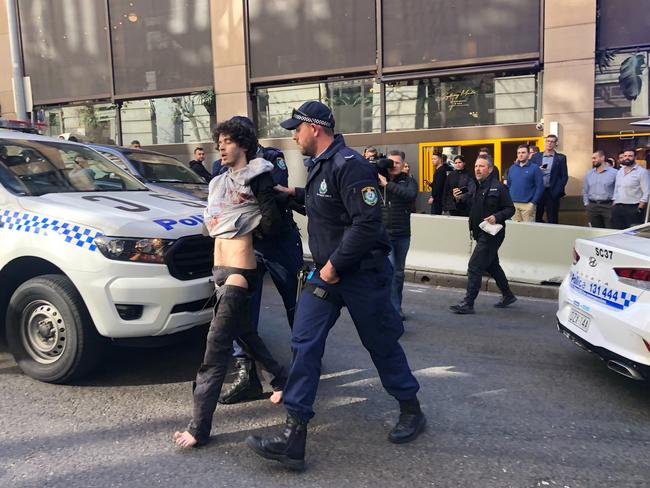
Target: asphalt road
x: 510, y: 403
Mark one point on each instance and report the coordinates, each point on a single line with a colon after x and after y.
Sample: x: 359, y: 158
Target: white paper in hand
x: 492, y: 229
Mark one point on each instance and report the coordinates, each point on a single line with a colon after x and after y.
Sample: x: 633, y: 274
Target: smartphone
x: 544, y: 166
x: 463, y: 190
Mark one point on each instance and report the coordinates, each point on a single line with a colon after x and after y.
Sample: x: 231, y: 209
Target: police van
x: 88, y: 253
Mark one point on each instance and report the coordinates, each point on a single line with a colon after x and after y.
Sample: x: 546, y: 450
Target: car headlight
x: 137, y: 250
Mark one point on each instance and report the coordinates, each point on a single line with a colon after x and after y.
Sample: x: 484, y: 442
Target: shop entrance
x: 503, y: 152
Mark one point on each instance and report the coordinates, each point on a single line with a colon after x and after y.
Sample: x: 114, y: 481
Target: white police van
x: 88, y: 253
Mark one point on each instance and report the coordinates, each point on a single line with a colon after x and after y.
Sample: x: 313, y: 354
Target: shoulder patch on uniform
x: 281, y: 164
x: 369, y: 195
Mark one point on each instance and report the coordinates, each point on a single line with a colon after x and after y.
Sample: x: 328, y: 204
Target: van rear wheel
x: 50, y: 332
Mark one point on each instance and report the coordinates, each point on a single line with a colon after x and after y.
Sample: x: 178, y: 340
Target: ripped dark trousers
x: 231, y: 320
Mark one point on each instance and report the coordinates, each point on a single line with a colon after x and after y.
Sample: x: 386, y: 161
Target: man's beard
x: 309, y: 151
x: 627, y: 162
x: 597, y: 164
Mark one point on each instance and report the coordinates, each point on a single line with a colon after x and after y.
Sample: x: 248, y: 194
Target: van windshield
x: 34, y: 168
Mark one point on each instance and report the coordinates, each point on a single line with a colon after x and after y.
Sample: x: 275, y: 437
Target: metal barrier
x: 531, y: 253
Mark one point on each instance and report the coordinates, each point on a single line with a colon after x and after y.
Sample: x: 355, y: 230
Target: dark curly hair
x: 242, y: 134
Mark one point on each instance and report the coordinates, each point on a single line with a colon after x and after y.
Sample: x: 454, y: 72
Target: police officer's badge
x: 323, y: 187
x: 369, y: 195
x: 281, y: 164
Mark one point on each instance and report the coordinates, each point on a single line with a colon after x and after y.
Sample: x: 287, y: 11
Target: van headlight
x: 137, y: 250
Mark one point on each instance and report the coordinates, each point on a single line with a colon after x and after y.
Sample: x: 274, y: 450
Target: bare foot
x: 184, y: 440
x: 276, y: 397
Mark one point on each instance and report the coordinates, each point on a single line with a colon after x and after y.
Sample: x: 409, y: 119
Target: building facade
x: 418, y: 75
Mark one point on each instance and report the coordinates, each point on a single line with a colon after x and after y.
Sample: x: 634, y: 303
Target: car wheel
x: 50, y: 332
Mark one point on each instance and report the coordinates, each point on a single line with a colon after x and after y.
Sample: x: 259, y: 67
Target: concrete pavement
x: 510, y: 403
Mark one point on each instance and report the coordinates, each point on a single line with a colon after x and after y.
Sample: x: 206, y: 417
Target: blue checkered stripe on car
x: 72, y: 234
x: 628, y: 299
x: 625, y: 300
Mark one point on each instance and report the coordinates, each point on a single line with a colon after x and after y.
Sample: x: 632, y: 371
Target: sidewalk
x: 460, y: 281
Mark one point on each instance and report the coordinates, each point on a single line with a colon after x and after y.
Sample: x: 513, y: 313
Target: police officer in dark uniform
x: 350, y: 247
x: 491, y: 204
x: 281, y: 256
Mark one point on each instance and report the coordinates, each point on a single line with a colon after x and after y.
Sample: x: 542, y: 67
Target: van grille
x: 190, y: 258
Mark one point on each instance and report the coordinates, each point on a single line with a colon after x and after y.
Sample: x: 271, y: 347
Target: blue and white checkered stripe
x: 73, y: 234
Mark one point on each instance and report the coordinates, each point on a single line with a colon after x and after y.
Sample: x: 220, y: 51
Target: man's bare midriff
x: 236, y: 252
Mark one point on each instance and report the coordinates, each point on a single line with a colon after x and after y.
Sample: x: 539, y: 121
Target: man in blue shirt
x: 350, y: 246
x: 631, y: 193
x: 526, y: 185
x: 598, y: 191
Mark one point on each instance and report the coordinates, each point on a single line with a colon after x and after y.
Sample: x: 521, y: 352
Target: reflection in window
x: 618, y: 91
x: 460, y: 101
x: 171, y: 120
x: 160, y: 45
x: 88, y: 123
x: 355, y: 104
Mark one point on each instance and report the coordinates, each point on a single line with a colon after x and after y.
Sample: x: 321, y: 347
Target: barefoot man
x: 241, y: 202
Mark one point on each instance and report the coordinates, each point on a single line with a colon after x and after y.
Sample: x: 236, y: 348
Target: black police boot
x: 288, y: 448
x: 410, y: 424
x: 506, y: 300
x: 465, y: 307
x: 246, y: 386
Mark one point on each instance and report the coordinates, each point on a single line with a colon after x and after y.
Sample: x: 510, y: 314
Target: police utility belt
x: 374, y: 260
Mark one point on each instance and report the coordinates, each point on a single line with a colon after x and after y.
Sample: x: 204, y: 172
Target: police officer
x: 281, y: 256
x: 349, y: 246
x: 490, y: 204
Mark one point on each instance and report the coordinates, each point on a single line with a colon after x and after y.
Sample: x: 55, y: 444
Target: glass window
x: 160, y: 45
x: 304, y: 36
x: 36, y: 168
x: 65, y: 48
x: 355, y: 104
x: 171, y: 120
x: 623, y: 23
x: 88, y: 123
x: 157, y: 168
x: 620, y: 90
x: 460, y: 101
x: 439, y: 32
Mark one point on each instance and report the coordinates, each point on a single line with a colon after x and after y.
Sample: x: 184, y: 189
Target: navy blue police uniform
x: 345, y: 227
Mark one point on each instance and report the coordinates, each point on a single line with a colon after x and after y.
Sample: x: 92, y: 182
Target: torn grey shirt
x: 232, y: 207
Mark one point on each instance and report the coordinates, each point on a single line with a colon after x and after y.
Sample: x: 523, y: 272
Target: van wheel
x: 50, y: 332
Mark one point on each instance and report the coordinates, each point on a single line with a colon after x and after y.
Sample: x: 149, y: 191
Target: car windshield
x: 35, y: 168
x: 641, y: 232
x: 157, y: 168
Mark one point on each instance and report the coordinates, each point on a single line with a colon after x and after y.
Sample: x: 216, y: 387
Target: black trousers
x: 550, y: 205
x: 627, y: 215
x: 600, y: 214
x: 231, y: 321
x: 484, y: 259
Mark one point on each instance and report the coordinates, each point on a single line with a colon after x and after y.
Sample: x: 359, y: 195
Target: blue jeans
x: 397, y: 258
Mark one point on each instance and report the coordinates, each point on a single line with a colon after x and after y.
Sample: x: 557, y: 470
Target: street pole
x: 16, y: 61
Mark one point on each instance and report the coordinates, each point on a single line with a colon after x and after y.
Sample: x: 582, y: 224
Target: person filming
x: 399, y: 193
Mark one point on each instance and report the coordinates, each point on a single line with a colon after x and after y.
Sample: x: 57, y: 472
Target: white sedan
x: 604, y: 302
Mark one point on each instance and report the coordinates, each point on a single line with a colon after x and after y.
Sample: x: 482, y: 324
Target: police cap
x: 312, y: 112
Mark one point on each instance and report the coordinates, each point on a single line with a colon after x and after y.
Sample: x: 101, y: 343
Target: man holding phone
x: 555, y: 174
x: 526, y: 185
